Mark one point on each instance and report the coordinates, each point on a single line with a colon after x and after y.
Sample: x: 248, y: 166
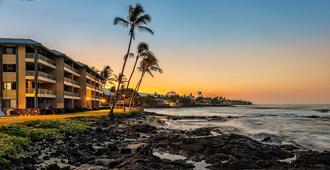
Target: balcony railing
x: 41, y: 57
x: 90, y: 86
x: 9, y: 93
x: 89, y: 75
x: 71, y: 68
x: 41, y: 74
x: 41, y: 91
x: 68, y: 93
x: 71, y: 81
x: 96, y: 97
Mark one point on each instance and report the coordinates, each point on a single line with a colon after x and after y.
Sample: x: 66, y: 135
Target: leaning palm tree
x: 141, y: 52
x: 147, y: 65
x: 137, y: 19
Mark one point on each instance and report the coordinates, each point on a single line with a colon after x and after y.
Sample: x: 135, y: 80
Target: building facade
x: 33, y: 76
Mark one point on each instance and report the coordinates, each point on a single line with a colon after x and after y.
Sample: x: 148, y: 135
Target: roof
x: 18, y: 41
x: 22, y: 41
x: 57, y: 53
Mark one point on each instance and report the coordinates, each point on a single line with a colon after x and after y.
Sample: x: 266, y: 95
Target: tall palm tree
x: 137, y: 19
x: 141, y: 52
x: 148, y: 65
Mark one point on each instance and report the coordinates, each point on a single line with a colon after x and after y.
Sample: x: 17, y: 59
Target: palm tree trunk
x: 136, y: 90
x: 120, y: 77
x: 130, y: 77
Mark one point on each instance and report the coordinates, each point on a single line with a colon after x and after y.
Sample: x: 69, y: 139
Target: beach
x: 145, y: 141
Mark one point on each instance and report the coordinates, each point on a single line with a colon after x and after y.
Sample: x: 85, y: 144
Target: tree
x: 147, y: 65
x: 141, y: 52
x: 106, y: 72
x: 137, y: 19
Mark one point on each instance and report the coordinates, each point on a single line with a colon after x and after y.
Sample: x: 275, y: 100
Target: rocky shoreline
x: 141, y: 142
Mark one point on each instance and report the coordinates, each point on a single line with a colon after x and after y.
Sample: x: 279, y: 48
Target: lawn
x: 5, y: 121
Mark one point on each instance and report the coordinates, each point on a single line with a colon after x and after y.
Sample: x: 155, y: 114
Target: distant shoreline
x: 194, y: 106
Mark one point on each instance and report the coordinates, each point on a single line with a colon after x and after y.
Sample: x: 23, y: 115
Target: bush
x: 64, y: 126
x: 34, y: 134
x: 11, y: 147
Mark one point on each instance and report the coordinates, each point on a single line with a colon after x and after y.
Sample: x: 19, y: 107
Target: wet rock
x: 102, y: 162
x: 313, y: 159
x: 143, y: 128
x: 200, y: 132
x: 53, y: 167
x: 241, y: 150
x: 124, y: 150
x: 115, y: 162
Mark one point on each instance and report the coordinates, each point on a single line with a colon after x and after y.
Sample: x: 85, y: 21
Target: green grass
x: 11, y: 147
x: 14, y: 139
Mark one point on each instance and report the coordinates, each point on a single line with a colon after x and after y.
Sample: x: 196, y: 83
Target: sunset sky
x: 266, y: 51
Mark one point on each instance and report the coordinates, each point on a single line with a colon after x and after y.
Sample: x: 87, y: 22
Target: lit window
x: 9, y: 85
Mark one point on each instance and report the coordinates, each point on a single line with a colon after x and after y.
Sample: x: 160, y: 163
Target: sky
x: 265, y: 51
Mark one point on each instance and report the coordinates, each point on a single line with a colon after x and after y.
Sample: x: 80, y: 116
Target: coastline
x: 141, y: 141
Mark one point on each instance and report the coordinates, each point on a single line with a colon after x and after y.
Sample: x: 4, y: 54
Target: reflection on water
x: 306, y: 125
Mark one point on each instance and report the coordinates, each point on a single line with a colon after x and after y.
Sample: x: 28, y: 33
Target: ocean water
x: 303, y: 125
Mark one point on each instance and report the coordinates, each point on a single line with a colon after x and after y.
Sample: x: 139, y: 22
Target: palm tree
x: 106, y: 72
x: 141, y: 52
x: 147, y: 65
x: 137, y: 19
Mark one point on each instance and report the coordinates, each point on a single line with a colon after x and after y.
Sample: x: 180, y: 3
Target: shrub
x: 11, y: 147
x: 64, y: 126
x: 34, y: 134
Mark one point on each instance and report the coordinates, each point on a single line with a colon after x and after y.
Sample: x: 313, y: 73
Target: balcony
x: 41, y: 93
x: 41, y: 76
x: 71, y: 95
x: 71, y: 69
x: 42, y: 59
x: 94, y: 97
x: 9, y: 94
x: 71, y: 82
x: 90, y: 86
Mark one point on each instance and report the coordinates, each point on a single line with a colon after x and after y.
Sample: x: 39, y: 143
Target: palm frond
x: 142, y: 46
x: 137, y: 11
x: 120, y: 21
x: 144, y: 19
x: 130, y: 55
x: 145, y: 29
x: 149, y: 72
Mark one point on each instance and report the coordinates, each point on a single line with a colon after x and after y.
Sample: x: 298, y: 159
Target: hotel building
x: 33, y: 76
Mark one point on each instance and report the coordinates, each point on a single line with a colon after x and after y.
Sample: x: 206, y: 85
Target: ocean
x: 307, y: 126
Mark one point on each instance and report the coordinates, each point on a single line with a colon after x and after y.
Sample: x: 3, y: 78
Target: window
x: 9, y: 50
x: 6, y: 103
x: 9, y: 85
x: 9, y: 68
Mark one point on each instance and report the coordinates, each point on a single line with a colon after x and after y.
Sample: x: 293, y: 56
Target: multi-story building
x: 33, y: 76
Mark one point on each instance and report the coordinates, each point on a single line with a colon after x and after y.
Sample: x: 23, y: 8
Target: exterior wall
x: 21, y: 87
x: 9, y: 76
x: 60, y: 82
x: 83, y: 99
x: 88, y: 98
x: 9, y: 58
